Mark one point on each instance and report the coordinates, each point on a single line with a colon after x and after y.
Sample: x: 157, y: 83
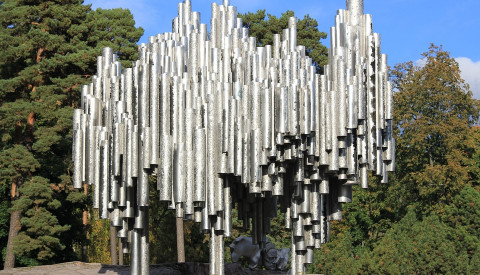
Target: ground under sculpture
x: 223, y: 123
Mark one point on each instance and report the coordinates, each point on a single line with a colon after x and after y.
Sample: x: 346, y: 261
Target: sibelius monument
x: 223, y: 123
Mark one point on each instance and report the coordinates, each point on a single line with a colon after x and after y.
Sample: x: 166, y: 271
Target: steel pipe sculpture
x: 224, y: 123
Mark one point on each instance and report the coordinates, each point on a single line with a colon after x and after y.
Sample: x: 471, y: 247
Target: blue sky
x: 407, y: 27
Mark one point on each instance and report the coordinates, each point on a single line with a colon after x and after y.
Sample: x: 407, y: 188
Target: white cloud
x: 421, y: 62
x: 470, y: 72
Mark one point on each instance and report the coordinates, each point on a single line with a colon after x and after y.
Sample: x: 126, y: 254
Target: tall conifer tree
x: 48, y: 49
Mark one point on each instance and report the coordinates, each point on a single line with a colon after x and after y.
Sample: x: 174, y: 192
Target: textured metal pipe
x: 143, y: 188
x: 213, y: 252
x: 178, y: 173
x: 144, y: 247
x: 200, y: 161
x: 228, y: 208
x: 116, y: 149
x: 165, y: 176
x: 104, y: 176
x: 135, y: 151
x: 135, y: 256
x: 154, y: 111
x: 128, y: 157
x: 96, y: 167
x: 292, y: 28
x: 77, y: 151
x: 190, y: 163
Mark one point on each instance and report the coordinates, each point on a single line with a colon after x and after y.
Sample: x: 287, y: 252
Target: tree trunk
x: 13, y: 232
x: 180, y: 241
x: 113, y: 245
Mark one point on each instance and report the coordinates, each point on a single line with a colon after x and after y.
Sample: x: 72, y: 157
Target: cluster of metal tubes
x: 222, y: 122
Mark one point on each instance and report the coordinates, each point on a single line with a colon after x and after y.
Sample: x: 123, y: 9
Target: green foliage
x: 411, y: 246
x: 474, y: 266
x: 98, y: 235
x: 163, y: 233
x: 434, y: 113
x: 121, y: 36
x: 40, y: 241
x: 336, y: 257
x: 279, y: 236
x: 463, y: 215
x: 4, y: 220
x: 16, y: 162
x: 263, y: 26
x: 415, y: 246
x: 47, y: 51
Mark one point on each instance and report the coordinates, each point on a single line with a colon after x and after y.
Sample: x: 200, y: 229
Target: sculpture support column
x: 180, y: 241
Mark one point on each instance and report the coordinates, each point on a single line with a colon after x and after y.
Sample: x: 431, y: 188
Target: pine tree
x: 48, y: 49
x: 4, y: 219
